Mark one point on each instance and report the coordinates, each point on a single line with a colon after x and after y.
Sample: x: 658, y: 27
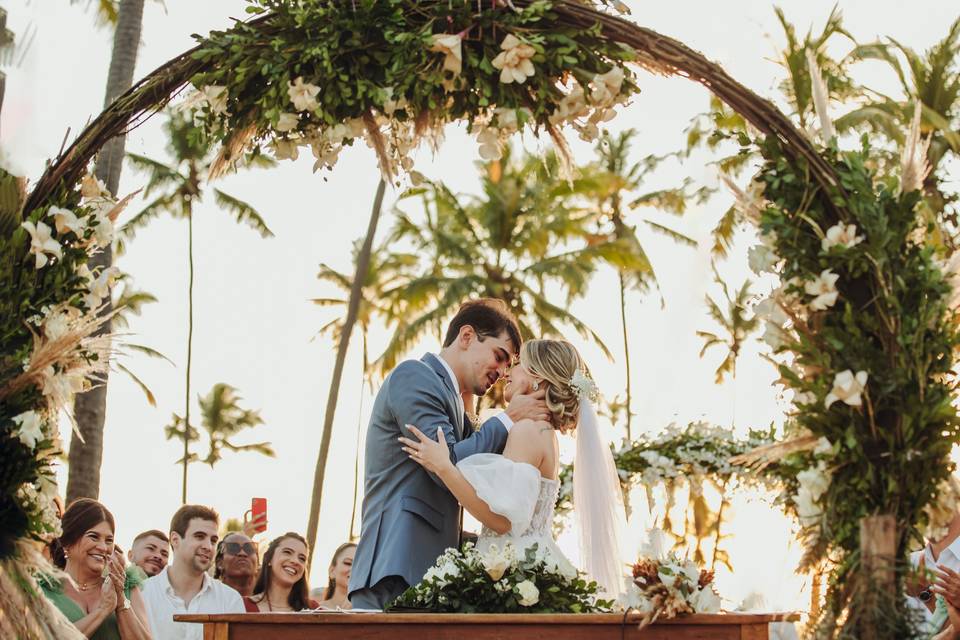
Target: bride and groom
x: 425, y: 461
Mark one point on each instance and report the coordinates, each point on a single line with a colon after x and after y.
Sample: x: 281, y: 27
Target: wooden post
x: 878, y: 549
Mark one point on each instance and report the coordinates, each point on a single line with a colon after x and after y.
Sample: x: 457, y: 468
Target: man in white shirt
x: 184, y: 585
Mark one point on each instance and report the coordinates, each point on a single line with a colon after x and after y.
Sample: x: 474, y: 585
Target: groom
x: 409, y: 517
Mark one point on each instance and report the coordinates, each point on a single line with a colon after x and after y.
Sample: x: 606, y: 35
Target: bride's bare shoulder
x: 530, y: 436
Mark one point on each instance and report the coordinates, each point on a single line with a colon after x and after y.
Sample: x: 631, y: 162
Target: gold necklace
x: 82, y: 586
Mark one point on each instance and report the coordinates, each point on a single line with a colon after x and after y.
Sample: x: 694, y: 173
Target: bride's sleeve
x: 509, y: 488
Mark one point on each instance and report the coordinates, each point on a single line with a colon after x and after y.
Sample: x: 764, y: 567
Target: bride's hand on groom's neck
x: 528, y: 406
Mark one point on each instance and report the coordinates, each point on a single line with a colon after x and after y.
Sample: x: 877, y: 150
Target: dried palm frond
x: 379, y: 145
x: 231, y: 151
x: 25, y: 612
x: 914, y: 166
x: 768, y: 454
x: 821, y: 97
x: 77, y: 352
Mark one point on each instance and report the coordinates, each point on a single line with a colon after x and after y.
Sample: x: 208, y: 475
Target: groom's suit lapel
x: 434, y: 363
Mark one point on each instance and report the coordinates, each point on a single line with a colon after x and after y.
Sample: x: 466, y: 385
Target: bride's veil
x: 598, y: 504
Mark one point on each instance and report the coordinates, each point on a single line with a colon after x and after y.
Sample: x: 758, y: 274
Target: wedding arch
x: 320, y: 75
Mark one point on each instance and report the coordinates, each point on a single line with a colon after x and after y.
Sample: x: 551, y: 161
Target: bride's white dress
x: 518, y: 492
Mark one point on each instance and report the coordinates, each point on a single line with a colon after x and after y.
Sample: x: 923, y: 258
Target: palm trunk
x: 356, y: 457
x: 626, y: 350
x: 363, y: 265
x: 90, y: 408
x: 186, y: 410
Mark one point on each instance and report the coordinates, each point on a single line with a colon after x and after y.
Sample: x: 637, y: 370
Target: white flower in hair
x: 584, y: 386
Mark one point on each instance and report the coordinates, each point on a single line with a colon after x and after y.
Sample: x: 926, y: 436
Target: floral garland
x: 689, y: 454
x: 404, y: 72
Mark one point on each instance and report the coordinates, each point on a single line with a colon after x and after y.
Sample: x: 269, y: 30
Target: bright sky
x: 255, y: 326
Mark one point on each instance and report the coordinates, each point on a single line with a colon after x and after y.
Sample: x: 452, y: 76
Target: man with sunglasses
x: 237, y: 562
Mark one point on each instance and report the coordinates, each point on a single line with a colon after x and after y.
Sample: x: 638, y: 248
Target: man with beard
x: 184, y: 585
x: 237, y: 562
x: 150, y: 551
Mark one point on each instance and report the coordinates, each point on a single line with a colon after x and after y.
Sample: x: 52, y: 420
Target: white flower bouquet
x: 501, y: 580
x: 665, y: 586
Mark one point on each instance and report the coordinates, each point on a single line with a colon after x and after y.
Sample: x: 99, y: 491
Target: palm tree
x: 130, y: 302
x: 384, y: 280
x: 222, y: 417
x: 108, y: 11
x: 720, y: 124
x: 86, y: 451
x: 612, y: 179
x: 178, y: 187
x: 736, y: 324
x: 501, y: 245
x: 931, y: 79
x: 364, y: 257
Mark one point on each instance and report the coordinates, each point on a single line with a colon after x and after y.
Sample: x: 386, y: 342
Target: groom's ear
x: 466, y: 335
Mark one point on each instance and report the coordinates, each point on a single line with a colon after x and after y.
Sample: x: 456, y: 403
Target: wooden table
x: 443, y: 626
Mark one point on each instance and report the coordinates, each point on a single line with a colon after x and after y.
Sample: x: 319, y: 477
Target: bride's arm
x: 434, y: 456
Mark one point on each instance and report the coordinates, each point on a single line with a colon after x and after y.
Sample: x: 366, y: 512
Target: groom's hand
x: 528, y: 407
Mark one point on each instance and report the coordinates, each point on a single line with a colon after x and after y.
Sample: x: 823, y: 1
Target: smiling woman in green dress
x: 101, y: 598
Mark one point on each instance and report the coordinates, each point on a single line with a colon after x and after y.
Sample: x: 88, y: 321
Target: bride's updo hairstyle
x: 556, y: 361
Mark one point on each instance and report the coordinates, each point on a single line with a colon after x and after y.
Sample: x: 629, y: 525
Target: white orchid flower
x: 489, y: 140
x: 92, y: 187
x: 303, y: 95
x: 287, y: 122
x: 847, y: 387
x: 99, y: 287
x: 770, y: 309
x: 103, y: 228
x: 65, y: 220
x: 216, y: 97
x: 841, y: 235
x: 450, y: 45
x: 285, y: 149
x: 815, y: 480
x: 30, y: 429
x: 42, y: 242
x: 514, y: 60
x: 761, y: 259
x: 824, y: 290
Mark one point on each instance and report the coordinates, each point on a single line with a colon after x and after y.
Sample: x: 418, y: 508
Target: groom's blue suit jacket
x: 409, y: 517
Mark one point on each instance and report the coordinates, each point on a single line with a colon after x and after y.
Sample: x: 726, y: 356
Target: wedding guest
x: 946, y: 615
x: 334, y: 595
x: 941, y: 552
x: 282, y: 583
x: 150, y: 551
x: 237, y: 562
x: 100, y: 599
x: 184, y: 586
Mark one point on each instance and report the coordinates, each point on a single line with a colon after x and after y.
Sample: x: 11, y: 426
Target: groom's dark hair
x: 489, y: 317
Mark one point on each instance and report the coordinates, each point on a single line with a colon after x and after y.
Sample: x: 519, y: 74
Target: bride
x: 513, y: 495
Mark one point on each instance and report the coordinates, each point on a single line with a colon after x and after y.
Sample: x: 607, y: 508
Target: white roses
x: 529, y: 594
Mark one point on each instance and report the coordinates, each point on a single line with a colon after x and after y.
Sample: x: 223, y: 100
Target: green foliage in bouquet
x: 501, y: 581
